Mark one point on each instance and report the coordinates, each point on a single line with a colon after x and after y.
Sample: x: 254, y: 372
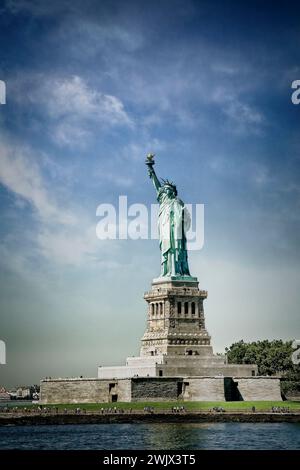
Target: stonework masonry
x: 203, y: 389
x: 258, y: 388
x: 84, y: 391
x: 54, y: 391
x: 158, y: 389
x: 170, y: 366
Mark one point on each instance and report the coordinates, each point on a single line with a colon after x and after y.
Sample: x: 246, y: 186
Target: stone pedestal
x: 175, y: 319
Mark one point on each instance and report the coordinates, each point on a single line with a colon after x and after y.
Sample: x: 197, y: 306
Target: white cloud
x: 63, y: 235
x: 70, y: 134
x: 70, y: 246
x: 74, y: 107
x: 224, y: 68
x: 244, y: 115
x: 242, y: 112
x: 70, y: 109
x: 21, y: 175
x: 76, y: 246
x: 98, y: 38
x: 140, y: 148
x: 73, y: 97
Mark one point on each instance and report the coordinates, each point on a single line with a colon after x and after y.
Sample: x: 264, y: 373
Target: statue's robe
x: 173, y: 222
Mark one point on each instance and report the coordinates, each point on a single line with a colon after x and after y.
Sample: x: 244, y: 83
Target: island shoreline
x: 25, y: 419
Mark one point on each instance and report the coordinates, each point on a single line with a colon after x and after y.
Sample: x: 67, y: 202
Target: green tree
x: 272, y: 357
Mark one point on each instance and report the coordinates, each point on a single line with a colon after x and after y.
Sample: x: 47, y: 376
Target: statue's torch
x: 150, y: 162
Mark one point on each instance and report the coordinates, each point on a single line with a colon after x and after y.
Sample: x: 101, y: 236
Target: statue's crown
x: 166, y: 182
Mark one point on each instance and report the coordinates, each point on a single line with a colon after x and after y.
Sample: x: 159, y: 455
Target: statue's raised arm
x: 150, y: 163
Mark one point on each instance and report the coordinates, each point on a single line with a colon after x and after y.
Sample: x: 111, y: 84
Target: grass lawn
x: 189, y: 406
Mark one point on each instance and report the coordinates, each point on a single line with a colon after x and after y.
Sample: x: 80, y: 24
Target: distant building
x: 4, y: 395
x: 28, y: 392
x: 23, y: 393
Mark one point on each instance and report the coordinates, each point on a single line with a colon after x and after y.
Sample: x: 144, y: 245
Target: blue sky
x: 93, y: 87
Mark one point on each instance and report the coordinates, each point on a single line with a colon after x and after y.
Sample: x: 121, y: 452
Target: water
x: 153, y: 436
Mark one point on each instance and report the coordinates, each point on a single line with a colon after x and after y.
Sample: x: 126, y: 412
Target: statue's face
x: 169, y: 191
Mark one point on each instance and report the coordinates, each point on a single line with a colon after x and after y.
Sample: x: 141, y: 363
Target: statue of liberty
x: 173, y: 222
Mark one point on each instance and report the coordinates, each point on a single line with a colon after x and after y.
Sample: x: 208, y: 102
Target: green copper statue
x: 173, y: 222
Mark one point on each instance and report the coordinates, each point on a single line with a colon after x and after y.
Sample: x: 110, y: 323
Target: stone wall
x: 203, y: 389
x: 124, y: 372
x: 144, y: 361
x: 258, y: 388
x: 176, y: 366
x: 160, y: 389
x: 155, y: 389
x: 213, y: 371
x: 84, y: 390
